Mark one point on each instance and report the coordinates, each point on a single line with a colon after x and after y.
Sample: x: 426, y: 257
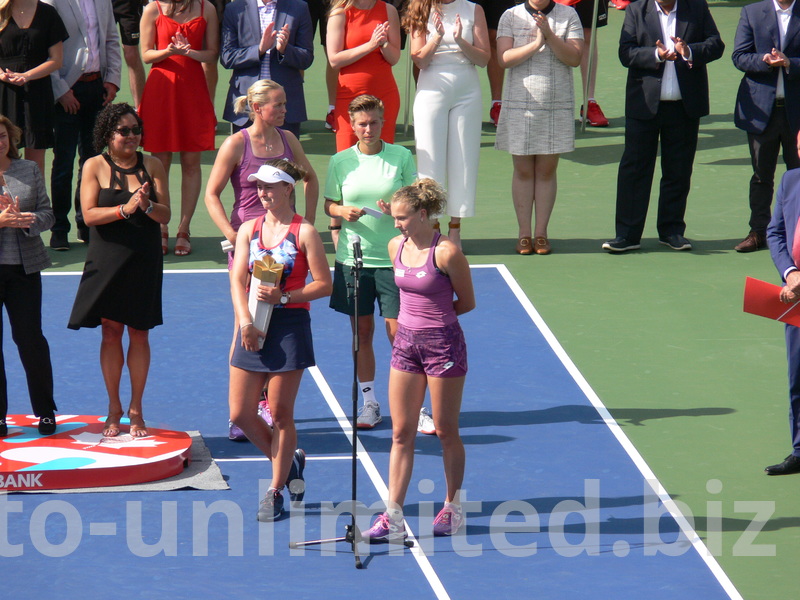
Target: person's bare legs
x: 135, y: 73
x: 166, y: 160
x: 282, y: 393
x: 406, y: 395
x: 138, y: 368
x: 522, y: 192
x: 112, y: 360
x: 191, y: 183
x: 37, y: 156
x: 446, y: 394
x: 545, y: 188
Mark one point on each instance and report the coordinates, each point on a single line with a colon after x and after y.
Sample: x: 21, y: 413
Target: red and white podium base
x: 77, y: 455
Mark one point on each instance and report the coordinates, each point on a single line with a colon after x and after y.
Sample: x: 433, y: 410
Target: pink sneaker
x: 385, y: 530
x: 263, y: 410
x: 449, y: 520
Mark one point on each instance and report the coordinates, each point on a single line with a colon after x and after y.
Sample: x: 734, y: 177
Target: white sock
x: 495, y: 102
x: 395, y: 515
x: 331, y: 107
x: 368, y: 391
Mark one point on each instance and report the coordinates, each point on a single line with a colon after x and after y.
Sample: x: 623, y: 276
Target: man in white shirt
x: 665, y: 44
x: 87, y: 80
x: 767, y: 50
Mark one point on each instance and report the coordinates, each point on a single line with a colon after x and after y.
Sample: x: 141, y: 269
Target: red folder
x: 763, y: 299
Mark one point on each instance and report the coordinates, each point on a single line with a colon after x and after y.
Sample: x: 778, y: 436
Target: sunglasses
x: 126, y: 131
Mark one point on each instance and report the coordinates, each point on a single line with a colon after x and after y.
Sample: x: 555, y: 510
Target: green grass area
x: 698, y: 386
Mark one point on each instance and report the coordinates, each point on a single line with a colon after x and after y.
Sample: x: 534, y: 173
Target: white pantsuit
x: 447, y: 115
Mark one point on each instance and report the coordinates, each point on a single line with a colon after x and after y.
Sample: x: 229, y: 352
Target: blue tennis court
x: 560, y: 506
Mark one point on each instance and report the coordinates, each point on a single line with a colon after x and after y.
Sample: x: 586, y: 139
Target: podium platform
x: 77, y: 455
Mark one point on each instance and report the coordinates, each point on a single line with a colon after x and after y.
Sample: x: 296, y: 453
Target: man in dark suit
x: 767, y: 49
x: 285, y: 44
x: 665, y: 44
x: 783, y: 236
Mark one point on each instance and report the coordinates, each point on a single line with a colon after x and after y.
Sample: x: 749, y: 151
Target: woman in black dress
x: 31, y: 47
x: 125, y: 199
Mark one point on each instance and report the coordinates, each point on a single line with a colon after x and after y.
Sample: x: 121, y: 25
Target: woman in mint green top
x: 361, y: 181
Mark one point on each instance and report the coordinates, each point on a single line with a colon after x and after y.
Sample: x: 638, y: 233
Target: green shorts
x: 375, y: 284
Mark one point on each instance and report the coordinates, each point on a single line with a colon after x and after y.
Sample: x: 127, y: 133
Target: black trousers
x: 764, y: 149
x: 73, y: 133
x: 677, y: 133
x: 21, y: 295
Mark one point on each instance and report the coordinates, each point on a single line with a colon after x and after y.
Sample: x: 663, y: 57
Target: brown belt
x: 89, y: 76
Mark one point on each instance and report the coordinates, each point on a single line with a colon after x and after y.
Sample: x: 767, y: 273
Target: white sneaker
x: 425, y: 424
x: 369, y: 415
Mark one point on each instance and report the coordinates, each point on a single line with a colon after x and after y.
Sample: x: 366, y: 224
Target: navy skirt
x: 288, y: 346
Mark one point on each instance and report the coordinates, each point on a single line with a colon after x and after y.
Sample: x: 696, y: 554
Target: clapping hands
x: 10, y: 215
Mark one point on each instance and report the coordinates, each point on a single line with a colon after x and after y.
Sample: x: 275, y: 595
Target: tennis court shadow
x: 578, y: 413
x: 637, y: 416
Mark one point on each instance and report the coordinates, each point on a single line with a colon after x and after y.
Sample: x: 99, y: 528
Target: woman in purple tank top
x: 246, y: 150
x: 240, y: 156
x: 429, y: 351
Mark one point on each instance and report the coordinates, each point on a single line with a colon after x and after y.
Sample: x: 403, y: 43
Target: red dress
x: 176, y: 108
x: 369, y: 75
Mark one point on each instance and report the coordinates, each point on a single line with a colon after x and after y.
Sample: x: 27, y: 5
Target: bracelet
x: 121, y: 213
x: 243, y: 325
x: 334, y: 227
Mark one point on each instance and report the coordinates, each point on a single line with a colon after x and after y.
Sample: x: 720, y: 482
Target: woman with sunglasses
x: 125, y: 200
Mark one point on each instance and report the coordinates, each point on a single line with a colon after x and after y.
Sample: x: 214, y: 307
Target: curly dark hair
x: 107, y: 121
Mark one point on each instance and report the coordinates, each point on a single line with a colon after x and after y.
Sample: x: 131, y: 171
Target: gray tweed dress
x: 538, y: 97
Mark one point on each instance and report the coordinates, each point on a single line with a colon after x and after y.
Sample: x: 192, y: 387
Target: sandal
x: 139, y: 431
x: 111, y: 428
x: 164, y: 242
x: 186, y: 248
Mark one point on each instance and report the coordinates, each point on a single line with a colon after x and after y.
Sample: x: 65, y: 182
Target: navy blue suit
x: 780, y: 236
x: 647, y: 118
x: 770, y: 125
x: 241, y: 34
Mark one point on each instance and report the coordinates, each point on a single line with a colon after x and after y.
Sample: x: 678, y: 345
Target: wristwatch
x: 286, y: 297
x: 149, y: 209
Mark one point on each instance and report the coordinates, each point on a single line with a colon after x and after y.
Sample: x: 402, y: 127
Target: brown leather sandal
x: 186, y: 248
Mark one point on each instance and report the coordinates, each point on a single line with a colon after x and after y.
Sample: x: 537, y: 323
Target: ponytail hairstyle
x: 423, y: 194
x: 256, y: 93
x: 292, y: 169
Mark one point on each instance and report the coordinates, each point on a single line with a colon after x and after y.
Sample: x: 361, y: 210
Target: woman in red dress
x: 176, y: 108
x: 363, y: 42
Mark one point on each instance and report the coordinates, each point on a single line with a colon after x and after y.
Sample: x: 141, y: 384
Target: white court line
x: 377, y: 481
x: 623, y: 439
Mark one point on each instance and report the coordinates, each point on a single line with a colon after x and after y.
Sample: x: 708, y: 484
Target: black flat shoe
x: 47, y: 425
x: 789, y: 466
x: 3, y: 428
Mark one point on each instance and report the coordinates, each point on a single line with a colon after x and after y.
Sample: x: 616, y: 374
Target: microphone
x: 355, y: 239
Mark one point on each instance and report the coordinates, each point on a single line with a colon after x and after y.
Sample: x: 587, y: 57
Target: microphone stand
x: 352, y: 534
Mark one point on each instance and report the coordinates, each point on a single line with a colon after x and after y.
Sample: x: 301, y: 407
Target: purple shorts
x: 439, y: 352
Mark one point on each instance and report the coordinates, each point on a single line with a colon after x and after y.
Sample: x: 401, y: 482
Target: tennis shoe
x: 295, y: 482
x: 369, y: 415
x: 385, y: 530
x: 263, y: 410
x: 448, y: 521
x: 425, y: 424
x: 235, y: 434
x: 271, y: 507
